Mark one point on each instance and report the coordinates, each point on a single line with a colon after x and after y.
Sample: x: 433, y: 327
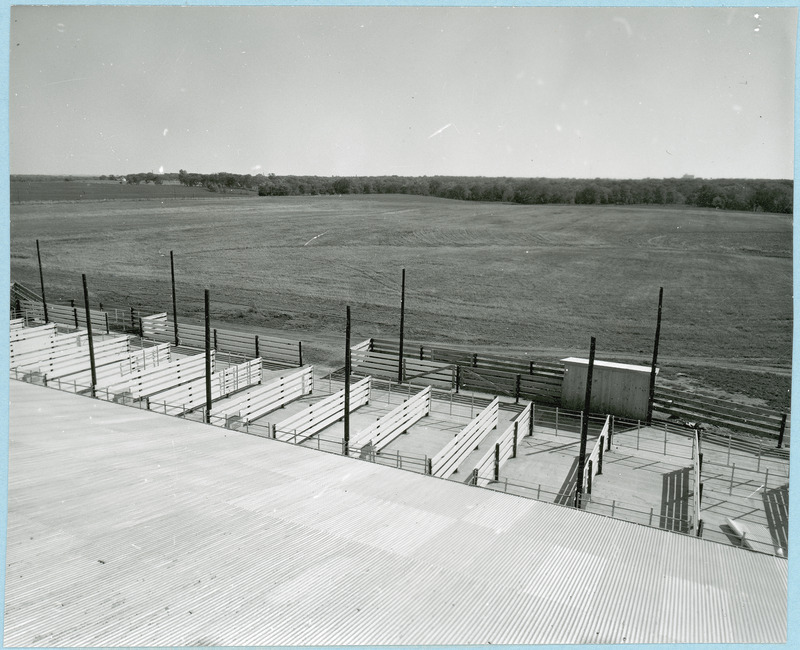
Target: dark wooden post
x: 610, y: 434
x: 257, y: 355
x: 584, y: 427
x: 107, y: 328
x: 215, y: 339
x: 300, y: 353
x: 783, y: 429
x: 133, y: 320
x: 497, y: 461
x: 589, y: 480
x: 516, y: 389
x: 208, y: 358
x: 475, y: 360
x: 655, y: 359
x: 174, y: 298
x: 75, y: 316
x: 41, y: 281
x: 402, y: 327
x: 458, y: 377
x: 600, y: 461
x: 421, y: 358
x: 530, y: 420
x: 346, y: 445
x: 514, y: 447
x: 89, y: 331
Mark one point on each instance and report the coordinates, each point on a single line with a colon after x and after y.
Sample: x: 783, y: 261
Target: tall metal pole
x: 89, y: 331
x: 174, y: 299
x: 347, y: 385
x: 652, y: 393
x: 208, y: 360
x: 41, y: 281
x: 402, y: 325
x: 584, y: 428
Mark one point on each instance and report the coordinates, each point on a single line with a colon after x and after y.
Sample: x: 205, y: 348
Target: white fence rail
x: 145, y: 383
x: 105, y: 351
x: 70, y: 316
x: 115, y: 370
x: 379, y: 434
x: 447, y: 461
x: 488, y: 467
x: 318, y: 416
x: 188, y: 396
x: 60, y: 345
x: 258, y: 402
x: 593, y: 464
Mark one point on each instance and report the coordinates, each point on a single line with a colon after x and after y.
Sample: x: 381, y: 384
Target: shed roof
x: 608, y: 364
x: 131, y: 528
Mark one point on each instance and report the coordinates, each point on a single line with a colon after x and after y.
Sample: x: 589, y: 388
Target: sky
x: 582, y: 92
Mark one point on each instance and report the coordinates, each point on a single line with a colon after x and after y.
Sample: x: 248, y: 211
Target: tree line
x: 725, y: 194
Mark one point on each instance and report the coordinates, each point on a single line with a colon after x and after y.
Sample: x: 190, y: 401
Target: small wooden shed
x: 617, y: 388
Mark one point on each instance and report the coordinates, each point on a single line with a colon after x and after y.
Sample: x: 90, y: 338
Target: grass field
x: 535, y: 279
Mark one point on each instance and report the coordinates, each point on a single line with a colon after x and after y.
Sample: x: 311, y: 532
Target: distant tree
x: 341, y: 186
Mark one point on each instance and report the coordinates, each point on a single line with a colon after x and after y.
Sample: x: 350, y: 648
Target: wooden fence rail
x: 59, y: 345
x: 189, y: 396
x: 258, y: 402
x: 448, y: 460
x: 317, y: 417
x: 488, y: 467
x: 379, y: 434
x: 145, y: 383
x: 107, y: 351
x: 706, y: 410
x: 272, y: 350
x: 385, y: 366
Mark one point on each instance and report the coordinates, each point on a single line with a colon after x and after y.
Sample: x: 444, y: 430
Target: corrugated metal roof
x: 130, y: 528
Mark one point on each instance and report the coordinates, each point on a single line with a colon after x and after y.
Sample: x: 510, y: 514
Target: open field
x: 535, y: 279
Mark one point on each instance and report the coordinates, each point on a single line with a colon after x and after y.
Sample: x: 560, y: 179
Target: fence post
x: 610, y: 436
x: 428, y: 465
x: 600, y: 461
x: 730, y: 488
x: 497, y: 461
x: 420, y: 353
x: 729, y: 449
x: 107, y: 329
x: 75, y: 315
x: 215, y: 338
x: 589, y: 479
x: 474, y: 477
x: 783, y: 429
x: 516, y: 389
x: 665, y: 438
x: 300, y: 351
x: 257, y: 350
x: 766, y: 479
x: 556, y: 422
x: 530, y: 419
x: 458, y: 377
x: 514, y: 448
x: 475, y: 360
x: 141, y: 329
